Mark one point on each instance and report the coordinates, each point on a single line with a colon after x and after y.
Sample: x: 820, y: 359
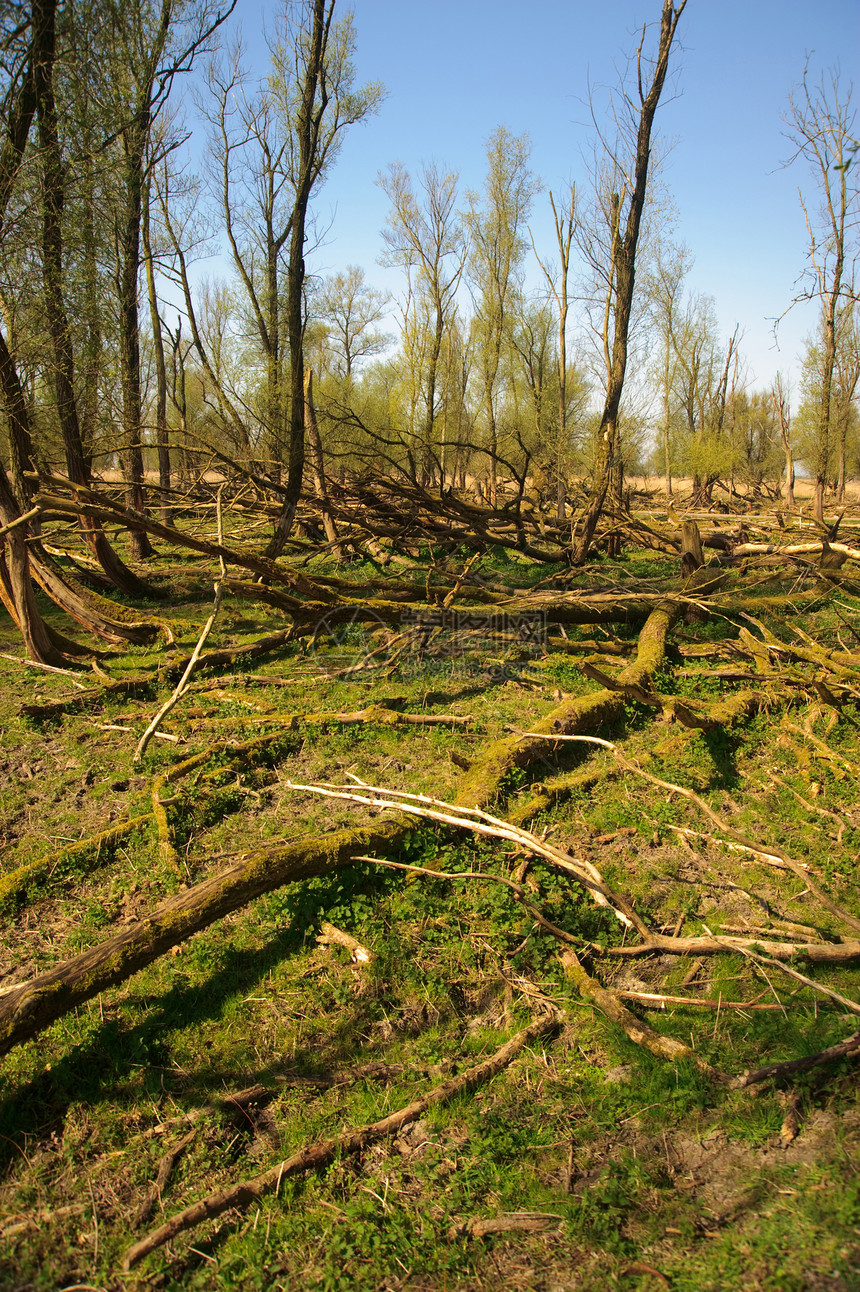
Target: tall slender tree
x: 558, y: 284
x: 498, y: 246
x: 424, y: 236
x: 821, y: 125
x: 631, y: 159
x: 54, y: 169
x: 152, y: 42
x: 25, y: 47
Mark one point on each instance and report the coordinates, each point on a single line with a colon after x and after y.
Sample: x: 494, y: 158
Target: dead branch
x: 379, y: 714
x: 238, y: 1101
x: 52, y: 708
x: 664, y: 1047
x: 182, y: 684
x: 37, y: 1219
x: 480, y: 822
x: 850, y: 1005
x: 72, y: 673
x: 841, y: 1050
x: 772, y: 855
x: 328, y: 934
x: 654, y: 1000
x: 523, y: 1222
x: 316, y: 1156
x: 165, y: 1169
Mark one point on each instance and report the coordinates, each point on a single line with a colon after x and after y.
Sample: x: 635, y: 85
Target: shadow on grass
x: 94, y: 1068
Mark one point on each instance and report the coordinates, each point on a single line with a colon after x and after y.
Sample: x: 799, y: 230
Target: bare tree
x: 846, y: 377
x: 667, y: 318
x: 564, y: 220
x: 351, y: 309
x: 54, y: 170
x: 780, y: 397
x: 821, y: 127
x: 314, y: 70
x: 151, y: 47
x: 624, y: 219
x: 495, y: 266
x: 425, y: 237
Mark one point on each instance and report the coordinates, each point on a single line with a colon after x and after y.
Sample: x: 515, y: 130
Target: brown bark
x: 94, y: 613
x: 18, y: 421
x: 318, y: 466
x: 311, y: 111
x: 16, y: 587
x: 623, y: 275
x: 315, y: 1156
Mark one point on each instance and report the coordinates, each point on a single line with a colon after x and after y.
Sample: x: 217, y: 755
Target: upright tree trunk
x: 128, y: 269
x: 308, y: 123
x: 667, y: 457
x: 135, y: 140
x: 161, y: 432
x: 78, y: 460
x: 318, y: 466
x: 17, y: 417
x: 624, y: 265
x: 16, y: 586
x: 780, y: 404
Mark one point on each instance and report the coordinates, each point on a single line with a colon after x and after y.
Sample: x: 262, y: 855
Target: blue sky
x: 456, y: 69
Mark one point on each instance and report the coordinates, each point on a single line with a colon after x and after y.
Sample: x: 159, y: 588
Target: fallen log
x: 664, y: 1047
x: 32, y: 1006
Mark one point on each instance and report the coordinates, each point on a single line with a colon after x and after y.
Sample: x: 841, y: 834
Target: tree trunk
x: 161, y: 433
x: 128, y: 246
x: 16, y: 587
x: 318, y: 466
x: 18, y: 419
x: 818, y: 500
x: 624, y: 265
x: 308, y: 121
x: 78, y: 460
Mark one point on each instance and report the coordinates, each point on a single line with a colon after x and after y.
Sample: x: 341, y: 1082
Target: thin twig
x: 182, y: 684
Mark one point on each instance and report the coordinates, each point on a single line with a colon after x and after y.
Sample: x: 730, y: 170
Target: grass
x: 639, y: 1165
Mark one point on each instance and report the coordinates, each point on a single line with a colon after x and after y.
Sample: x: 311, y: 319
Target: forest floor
x: 586, y: 1162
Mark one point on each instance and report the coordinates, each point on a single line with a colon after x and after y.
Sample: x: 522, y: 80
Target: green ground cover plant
x: 589, y: 1160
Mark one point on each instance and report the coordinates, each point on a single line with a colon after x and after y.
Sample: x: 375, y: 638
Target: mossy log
x: 31, y: 1006
x: 28, y: 1008
x: 664, y: 1047
x: 573, y: 717
x: 84, y: 855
